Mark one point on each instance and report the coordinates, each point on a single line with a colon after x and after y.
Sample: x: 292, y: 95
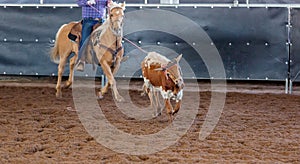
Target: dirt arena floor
x: 259, y: 123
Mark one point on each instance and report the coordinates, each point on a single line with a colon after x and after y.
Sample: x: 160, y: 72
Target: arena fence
x: 256, y: 39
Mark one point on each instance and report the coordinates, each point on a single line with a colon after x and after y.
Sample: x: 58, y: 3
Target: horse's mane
x: 102, y: 28
x: 99, y: 31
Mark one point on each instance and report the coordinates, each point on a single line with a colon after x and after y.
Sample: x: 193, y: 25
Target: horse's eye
x: 111, y: 15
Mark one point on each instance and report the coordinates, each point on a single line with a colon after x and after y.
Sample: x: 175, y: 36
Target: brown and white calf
x: 163, y: 75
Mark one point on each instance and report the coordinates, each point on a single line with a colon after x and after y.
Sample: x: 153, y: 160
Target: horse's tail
x: 54, y: 54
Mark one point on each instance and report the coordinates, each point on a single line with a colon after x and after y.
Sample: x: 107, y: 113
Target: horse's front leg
x: 111, y: 80
x: 116, y: 68
x: 114, y: 71
x: 105, y: 88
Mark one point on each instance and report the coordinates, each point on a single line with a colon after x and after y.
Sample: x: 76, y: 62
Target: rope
x: 135, y: 45
x: 94, y: 8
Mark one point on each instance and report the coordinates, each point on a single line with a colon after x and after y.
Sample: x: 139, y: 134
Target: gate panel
x: 251, y: 42
x: 295, y: 48
x: 27, y: 36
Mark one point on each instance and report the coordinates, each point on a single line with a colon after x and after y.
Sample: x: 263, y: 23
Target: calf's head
x: 173, y: 72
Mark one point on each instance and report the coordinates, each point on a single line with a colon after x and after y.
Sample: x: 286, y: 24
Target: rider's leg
x: 87, y: 28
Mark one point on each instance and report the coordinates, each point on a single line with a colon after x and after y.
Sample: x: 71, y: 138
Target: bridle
x: 116, y: 33
x: 121, y: 34
x: 118, y: 46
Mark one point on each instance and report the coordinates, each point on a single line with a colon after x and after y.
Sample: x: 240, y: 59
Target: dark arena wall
x: 255, y: 39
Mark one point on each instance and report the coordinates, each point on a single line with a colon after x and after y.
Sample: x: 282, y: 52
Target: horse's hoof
x: 67, y: 85
x: 120, y: 99
x: 100, y: 96
x: 58, y: 95
x: 103, y: 91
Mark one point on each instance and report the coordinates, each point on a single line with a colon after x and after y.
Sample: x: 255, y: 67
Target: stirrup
x: 80, y: 66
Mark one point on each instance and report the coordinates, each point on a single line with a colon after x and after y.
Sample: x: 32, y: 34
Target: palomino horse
x: 62, y: 50
x: 105, y: 45
x: 110, y: 35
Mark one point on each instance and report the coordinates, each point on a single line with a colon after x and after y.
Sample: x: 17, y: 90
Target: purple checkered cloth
x: 90, y: 12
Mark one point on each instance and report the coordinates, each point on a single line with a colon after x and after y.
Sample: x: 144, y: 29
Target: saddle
x: 75, y: 36
x: 75, y: 33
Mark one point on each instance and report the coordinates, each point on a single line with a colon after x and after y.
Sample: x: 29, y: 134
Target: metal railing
x: 235, y: 3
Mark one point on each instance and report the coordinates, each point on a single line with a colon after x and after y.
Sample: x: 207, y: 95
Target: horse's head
x: 116, y: 16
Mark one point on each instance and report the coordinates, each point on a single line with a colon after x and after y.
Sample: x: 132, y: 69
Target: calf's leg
x: 169, y: 109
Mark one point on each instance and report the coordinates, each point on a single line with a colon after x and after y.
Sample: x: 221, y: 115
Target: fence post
x: 286, y: 86
x: 291, y: 87
x: 289, y: 44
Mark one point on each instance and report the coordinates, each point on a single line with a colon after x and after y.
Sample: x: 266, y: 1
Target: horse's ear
x: 123, y: 5
x: 177, y: 59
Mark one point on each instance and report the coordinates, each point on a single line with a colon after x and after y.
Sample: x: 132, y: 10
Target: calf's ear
x: 177, y: 59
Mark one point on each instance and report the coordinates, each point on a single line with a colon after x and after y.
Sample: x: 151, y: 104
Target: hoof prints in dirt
x: 253, y: 128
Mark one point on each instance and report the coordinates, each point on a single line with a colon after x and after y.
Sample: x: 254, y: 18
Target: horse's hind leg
x: 71, y: 74
x: 61, y: 67
x: 72, y: 65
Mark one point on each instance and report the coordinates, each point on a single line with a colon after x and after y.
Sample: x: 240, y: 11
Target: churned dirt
x: 36, y: 127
